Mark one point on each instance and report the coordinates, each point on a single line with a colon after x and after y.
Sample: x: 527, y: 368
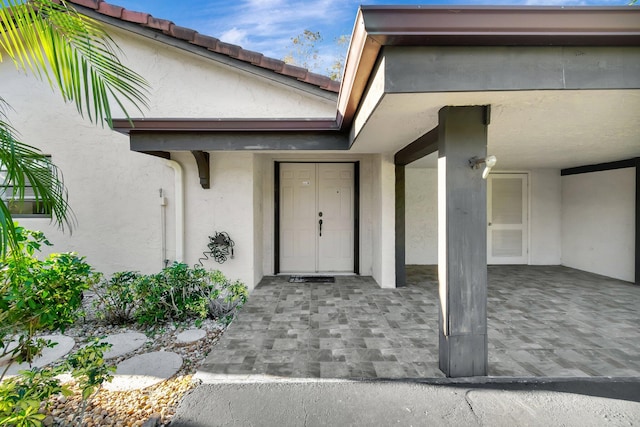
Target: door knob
x: 320, y: 223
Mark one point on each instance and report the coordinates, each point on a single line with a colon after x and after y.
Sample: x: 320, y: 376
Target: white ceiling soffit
x: 528, y: 130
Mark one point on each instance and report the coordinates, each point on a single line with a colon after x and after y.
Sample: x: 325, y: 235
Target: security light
x: 489, y: 162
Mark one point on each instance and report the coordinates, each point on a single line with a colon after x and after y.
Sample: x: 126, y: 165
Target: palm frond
x: 71, y: 51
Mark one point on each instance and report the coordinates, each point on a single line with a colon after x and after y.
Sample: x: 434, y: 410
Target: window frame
x: 6, y: 194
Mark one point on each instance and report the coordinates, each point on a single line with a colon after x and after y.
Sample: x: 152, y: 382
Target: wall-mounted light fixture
x: 489, y: 162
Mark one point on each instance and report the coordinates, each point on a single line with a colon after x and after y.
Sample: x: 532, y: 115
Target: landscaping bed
x: 173, y: 316
x: 153, y: 405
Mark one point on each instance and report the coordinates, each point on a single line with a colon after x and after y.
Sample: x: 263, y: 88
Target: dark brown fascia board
x: 223, y: 125
x: 379, y: 26
x: 522, y: 26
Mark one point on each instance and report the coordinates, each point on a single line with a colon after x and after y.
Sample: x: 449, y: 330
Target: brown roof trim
x: 209, y: 43
x: 522, y: 26
x: 223, y: 125
x: 378, y: 26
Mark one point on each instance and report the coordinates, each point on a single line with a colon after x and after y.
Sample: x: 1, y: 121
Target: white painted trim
x: 179, y: 195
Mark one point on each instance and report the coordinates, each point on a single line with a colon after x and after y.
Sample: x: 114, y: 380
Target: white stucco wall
x: 383, y: 251
x: 258, y: 218
x: 185, y: 84
x: 598, y: 222
x: 421, y: 216
x: 227, y: 206
x: 545, y: 217
x: 115, y: 192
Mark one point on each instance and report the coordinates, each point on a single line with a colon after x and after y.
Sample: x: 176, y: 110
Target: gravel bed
x: 151, y: 406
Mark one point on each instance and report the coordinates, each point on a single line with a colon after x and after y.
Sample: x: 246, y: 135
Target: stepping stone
x: 123, y: 343
x: 190, y: 336
x: 144, y: 370
x: 49, y: 355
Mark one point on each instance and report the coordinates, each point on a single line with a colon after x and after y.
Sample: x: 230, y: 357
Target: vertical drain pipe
x: 163, y: 230
x: 179, y: 195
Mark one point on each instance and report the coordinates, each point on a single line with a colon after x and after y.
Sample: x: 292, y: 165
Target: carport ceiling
x: 529, y: 129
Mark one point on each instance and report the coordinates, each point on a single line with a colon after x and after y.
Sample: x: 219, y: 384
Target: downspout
x: 163, y: 228
x: 179, y: 195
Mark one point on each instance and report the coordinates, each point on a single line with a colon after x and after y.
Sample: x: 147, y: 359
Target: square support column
x: 401, y: 269
x: 462, y: 241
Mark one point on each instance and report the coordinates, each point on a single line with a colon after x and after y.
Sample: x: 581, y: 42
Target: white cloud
x: 279, y: 19
x: 234, y: 36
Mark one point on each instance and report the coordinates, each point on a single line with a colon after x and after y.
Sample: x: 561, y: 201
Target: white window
x: 29, y: 207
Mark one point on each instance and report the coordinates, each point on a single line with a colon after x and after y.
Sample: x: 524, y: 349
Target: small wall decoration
x: 220, y: 248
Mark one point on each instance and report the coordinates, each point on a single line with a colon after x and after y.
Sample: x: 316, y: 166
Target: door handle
x: 320, y: 223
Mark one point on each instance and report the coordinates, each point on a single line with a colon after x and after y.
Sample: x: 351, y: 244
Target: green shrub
x: 177, y: 293
x: 38, y: 295
x: 116, y: 298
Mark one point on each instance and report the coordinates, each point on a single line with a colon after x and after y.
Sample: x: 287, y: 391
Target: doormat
x: 312, y: 279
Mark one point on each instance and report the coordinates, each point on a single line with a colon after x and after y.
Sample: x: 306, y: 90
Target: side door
x: 507, y: 216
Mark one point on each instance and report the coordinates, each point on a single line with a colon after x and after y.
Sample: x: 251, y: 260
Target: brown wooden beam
x: 423, y: 146
x: 202, y: 160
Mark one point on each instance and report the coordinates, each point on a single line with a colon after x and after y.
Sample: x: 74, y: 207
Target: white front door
x: 507, y: 231
x: 316, y: 217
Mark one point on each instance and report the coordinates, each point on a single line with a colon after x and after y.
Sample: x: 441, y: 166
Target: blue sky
x: 267, y: 26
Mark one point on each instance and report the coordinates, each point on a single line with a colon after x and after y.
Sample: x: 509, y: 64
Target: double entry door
x: 316, y: 217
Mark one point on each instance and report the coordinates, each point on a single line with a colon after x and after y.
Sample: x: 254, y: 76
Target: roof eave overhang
x: 379, y: 26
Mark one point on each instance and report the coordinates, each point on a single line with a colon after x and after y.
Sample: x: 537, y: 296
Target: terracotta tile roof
x: 210, y: 43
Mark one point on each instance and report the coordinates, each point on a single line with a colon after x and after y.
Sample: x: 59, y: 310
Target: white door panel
x: 507, y: 231
x: 297, y: 217
x: 335, y: 201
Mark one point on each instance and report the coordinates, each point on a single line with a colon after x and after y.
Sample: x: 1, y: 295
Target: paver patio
x: 544, y: 321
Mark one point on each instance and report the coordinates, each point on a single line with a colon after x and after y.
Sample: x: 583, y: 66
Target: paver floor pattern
x: 542, y: 321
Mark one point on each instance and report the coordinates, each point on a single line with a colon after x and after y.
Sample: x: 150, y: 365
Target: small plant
x: 225, y: 300
x: 116, y: 298
x: 22, y: 396
x: 88, y: 367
